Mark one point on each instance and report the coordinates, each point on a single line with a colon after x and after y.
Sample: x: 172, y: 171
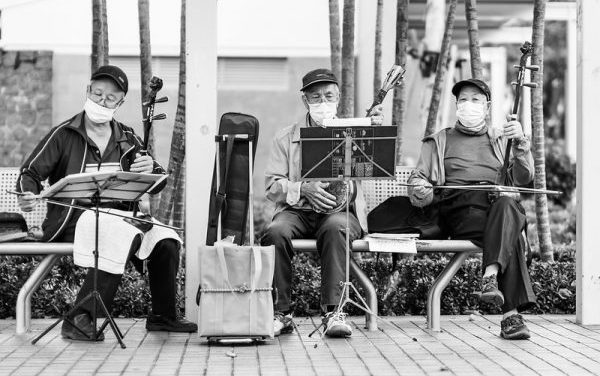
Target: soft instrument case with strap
x: 229, y: 198
x: 235, y: 293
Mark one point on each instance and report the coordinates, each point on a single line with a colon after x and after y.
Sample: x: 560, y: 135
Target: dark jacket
x: 63, y: 152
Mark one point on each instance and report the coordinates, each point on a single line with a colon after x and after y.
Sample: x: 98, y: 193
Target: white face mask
x: 98, y: 114
x: 321, y: 111
x: 471, y: 115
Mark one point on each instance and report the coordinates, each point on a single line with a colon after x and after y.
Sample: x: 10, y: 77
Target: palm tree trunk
x: 537, y: 114
x: 347, y: 100
x: 399, y: 103
x: 99, y: 34
x: 442, y: 66
x: 179, y: 206
x: 176, y: 158
x: 335, y: 38
x: 473, y: 30
x: 377, y: 57
x: 146, y: 75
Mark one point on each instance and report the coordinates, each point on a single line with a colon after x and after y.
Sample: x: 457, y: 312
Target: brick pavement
x: 468, y: 345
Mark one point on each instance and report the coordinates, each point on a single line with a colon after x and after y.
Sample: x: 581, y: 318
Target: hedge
x: 553, y: 284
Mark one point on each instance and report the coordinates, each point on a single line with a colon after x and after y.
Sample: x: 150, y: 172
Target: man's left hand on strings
x: 143, y: 164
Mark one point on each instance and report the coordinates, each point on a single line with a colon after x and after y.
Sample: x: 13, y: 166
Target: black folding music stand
x: 348, y: 153
x: 97, y: 188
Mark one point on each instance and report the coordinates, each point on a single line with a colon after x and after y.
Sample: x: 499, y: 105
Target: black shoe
x: 83, y: 322
x: 514, y: 328
x: 489, y: 291
x: 157, y: 323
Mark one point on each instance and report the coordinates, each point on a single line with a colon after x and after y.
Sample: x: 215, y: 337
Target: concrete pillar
x: 201, y: 126
x: 571, y: 90
x: 588, y: 179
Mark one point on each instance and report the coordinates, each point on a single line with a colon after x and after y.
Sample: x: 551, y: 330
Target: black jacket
x: 63, y: 152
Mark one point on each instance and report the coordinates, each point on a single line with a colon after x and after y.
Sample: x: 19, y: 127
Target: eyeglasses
x: 110, y: 101
x: 317, y: 98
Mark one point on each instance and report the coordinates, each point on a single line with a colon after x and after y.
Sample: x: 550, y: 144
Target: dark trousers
x: 329, y: 230
x: 497, y: 227
x: 163, y: 264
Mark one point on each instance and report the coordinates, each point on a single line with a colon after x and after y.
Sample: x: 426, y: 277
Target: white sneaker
x: 282, y: 324
x: 335, y: 325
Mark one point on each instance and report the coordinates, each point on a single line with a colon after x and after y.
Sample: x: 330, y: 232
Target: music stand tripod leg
x: 94, y: 294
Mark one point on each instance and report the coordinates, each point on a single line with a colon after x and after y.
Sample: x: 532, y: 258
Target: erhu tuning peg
x: 532, y: 85
x: 159, y: 117
x: 162, y: 99
x: 514, y: 83
x: 516, y: 66
x: 534, y: 68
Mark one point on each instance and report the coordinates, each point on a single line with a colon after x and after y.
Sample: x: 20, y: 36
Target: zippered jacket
x: 62, y: 152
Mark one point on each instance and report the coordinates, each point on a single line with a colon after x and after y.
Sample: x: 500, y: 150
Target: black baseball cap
x: 114, y: 73
x: 318, y: 75
x: 472, y: 82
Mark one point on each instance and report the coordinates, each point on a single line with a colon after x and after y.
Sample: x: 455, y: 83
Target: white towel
x: 114, y: 240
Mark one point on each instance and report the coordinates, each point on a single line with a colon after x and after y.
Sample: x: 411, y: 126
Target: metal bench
x: 377, y: 191
x: 51, y: 251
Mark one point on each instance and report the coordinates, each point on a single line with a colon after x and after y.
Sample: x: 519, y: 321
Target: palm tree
x: 347, y: 100
x: 377, y: 57
x: 335, y: 38
x: 171, y: 193
x: 99, y: 34
x: 146, y: 75
x: 442, y: 66
x: 473, y: 30
x: 537, y: 115
x: 399, y: 103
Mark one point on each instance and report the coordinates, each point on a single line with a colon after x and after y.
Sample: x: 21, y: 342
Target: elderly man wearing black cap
x: 91, y: 141
x: 301, y: 209
x: 473, y: 153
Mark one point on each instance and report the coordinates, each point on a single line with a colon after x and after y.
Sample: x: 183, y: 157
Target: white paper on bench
x: 392, y: 243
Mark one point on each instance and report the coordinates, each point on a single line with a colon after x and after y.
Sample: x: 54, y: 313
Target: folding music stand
x: 98, y: 187
x: 345, y: 154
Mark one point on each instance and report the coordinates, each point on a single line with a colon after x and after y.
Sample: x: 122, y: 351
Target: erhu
x: 339, y: 188
x: 526, y: 51
x: 155, y: 84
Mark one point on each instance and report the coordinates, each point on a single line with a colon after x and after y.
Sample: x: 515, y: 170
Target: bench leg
x: 440, y: 283
x: 24, y: 298
x: 365, y: 282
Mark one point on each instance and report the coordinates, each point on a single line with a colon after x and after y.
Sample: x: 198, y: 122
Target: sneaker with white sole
x: 282, y: 323
x: 335, y: 325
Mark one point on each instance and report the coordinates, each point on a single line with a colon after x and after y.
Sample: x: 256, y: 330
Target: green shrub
x: 552, y: 283
x: 561, y: 172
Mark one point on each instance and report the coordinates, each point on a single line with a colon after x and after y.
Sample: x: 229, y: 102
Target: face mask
x: 471, y: 115
x: 321, y: 111
x: 98, y: 114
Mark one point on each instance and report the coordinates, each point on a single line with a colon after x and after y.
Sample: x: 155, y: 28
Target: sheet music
x: 117, y: 185
x: 392, y: 243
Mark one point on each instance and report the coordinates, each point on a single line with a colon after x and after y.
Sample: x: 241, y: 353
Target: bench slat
x: 35, y: 248
x: 361, y: 245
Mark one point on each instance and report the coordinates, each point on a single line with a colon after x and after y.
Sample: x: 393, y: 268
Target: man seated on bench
x: 301, y: 209
x: 90, y: 141
x: 472, y: 153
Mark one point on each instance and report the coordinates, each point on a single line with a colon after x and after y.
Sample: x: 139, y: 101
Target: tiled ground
x: 467, y: 345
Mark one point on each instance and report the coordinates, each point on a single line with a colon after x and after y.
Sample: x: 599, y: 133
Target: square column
x: 200, y: 127
x: 588, y: 163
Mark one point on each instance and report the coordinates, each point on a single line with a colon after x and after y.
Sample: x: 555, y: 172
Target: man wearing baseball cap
x: 90, y: 141
x: 301, y: 208
x: 472, y: 152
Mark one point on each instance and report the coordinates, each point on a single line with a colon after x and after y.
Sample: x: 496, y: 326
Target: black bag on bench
x: 396, y: 215
x: 13, y: 227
